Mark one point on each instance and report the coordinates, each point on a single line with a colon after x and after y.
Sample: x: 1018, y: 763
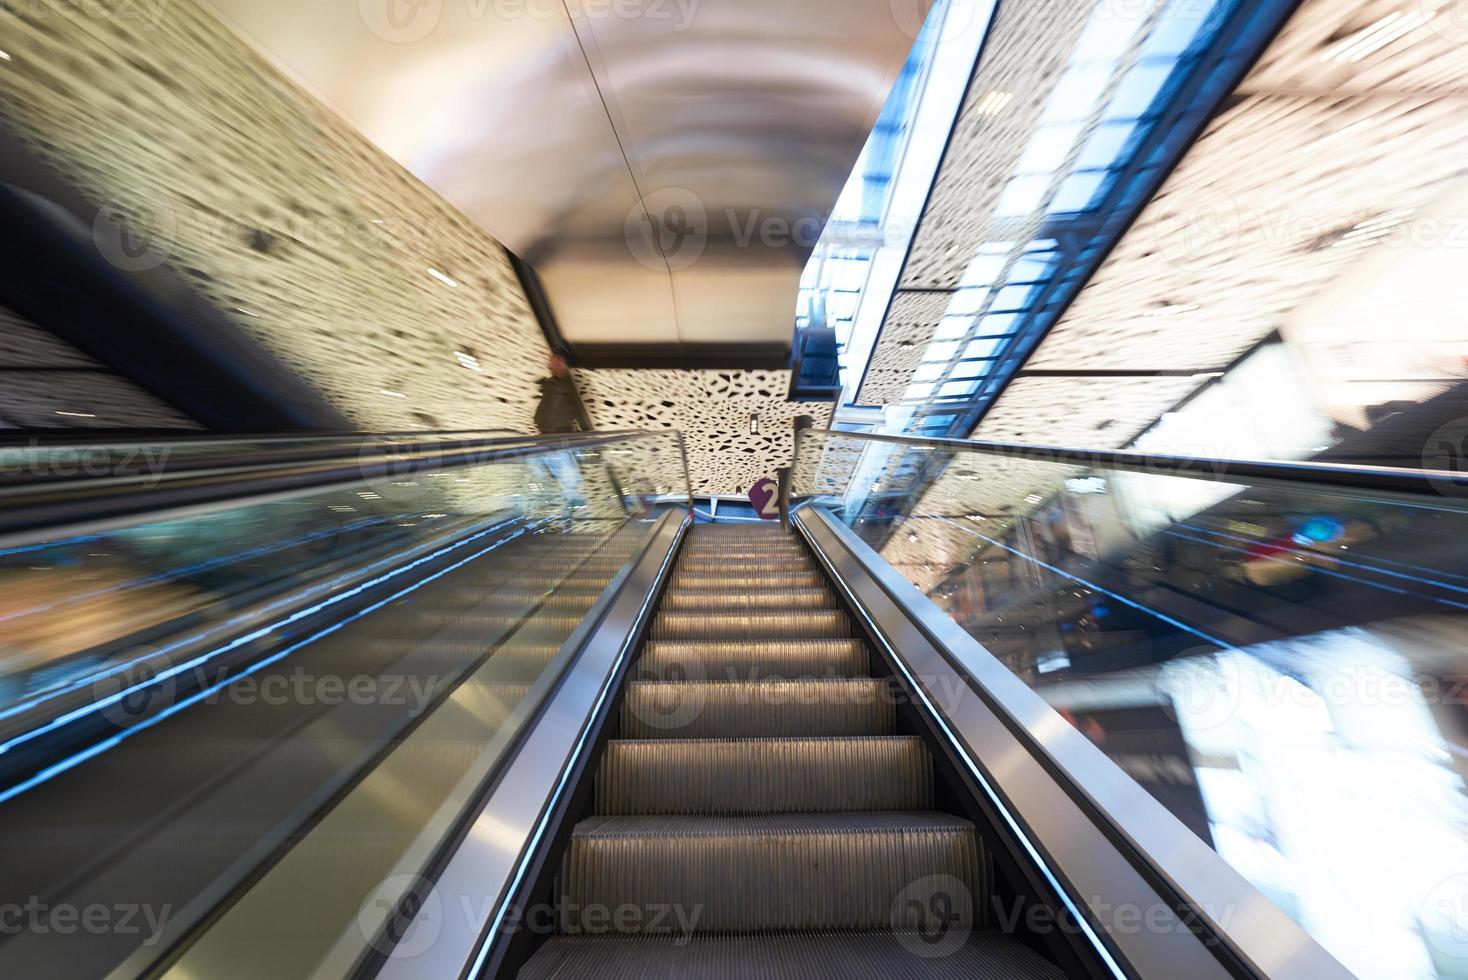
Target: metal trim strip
x: 491, y: 864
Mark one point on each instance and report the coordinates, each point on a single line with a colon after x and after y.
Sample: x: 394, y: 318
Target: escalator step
x: 776, y: 599
x: 726, y: 582
x: 753, y: 660
x: 807, y: 624
x: 764, y: 775
x: 741, y: 549
x: 814, y: 871
x: 763, y: 709
x: 986, y: 955
x: 770, y: 530
x: 720, y: 562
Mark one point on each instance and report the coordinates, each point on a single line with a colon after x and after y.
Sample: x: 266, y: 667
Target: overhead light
x: 77, y: 415
x: 391, y: 394
x: 442, y: 278
x: 912, y: 536
x: 1374, y: 229
x: 1034, y: 498
x: 4, y: 56
x: 241, y: 309
x: 1374, y: 37
x: 994, y: 102
x: 754, y: 424
x: 467, y: 360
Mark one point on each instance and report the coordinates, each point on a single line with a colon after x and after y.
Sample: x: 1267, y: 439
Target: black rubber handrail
x: 1438, y: 483
x: 81, y: 505
x: 123, y: 459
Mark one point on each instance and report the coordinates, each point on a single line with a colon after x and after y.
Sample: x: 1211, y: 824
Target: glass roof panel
x: 1121, y: 81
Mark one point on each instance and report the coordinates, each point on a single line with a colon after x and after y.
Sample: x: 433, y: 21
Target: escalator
x: 759, y: 792
x: 541, y: 724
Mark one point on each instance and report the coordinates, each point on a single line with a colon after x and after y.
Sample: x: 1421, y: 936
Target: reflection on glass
x: 1281, y: 667
x: 359, y: 743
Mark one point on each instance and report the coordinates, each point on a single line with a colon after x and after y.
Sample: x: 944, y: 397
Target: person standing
x: 560, y: 409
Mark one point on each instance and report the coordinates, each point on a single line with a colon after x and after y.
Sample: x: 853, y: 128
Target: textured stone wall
x: 308, y: 236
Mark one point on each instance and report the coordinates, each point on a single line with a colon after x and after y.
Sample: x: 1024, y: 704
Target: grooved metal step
x: 732, y: 583
x: 806, y: 624
x: 755, y: 599
x: 763, y: 709
x: 764, y: 775
x: 751, y: 549
x: 983, y: 955
x: 746, y: 563
x: 749, y: 660
x: 809, y: 872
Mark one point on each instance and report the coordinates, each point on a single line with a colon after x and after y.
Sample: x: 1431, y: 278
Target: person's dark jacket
x: 560, y: 408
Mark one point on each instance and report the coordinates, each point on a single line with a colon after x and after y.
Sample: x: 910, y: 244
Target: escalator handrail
x: 1437, y: 483
x: 1039, y: 758
x: 139, y: 458
x: 34, y: 513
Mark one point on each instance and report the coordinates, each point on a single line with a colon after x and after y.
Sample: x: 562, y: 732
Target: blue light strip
x: 202, y: 566
x: 1093, y: 586
x: 1318, y: 571
x: 95, y: 706
x: 1343, y: 561
x: 90, y: 679
x: 90, y: 753
x: 26, y: 549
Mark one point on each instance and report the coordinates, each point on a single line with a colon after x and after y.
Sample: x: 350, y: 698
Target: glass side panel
x: 291, y: 785
x: 1281, y: 667
x: 71, y: 605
